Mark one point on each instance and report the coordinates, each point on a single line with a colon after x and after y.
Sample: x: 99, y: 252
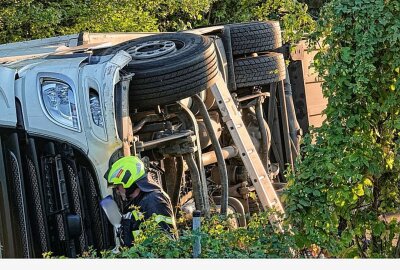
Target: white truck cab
x: 67, y: 99
x: 63, y: 99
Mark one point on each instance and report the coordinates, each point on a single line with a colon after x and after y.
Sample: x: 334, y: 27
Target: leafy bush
x: 218, y: 240
x: 31, y: 19
x: 315, y: 6
x: 347, y: 184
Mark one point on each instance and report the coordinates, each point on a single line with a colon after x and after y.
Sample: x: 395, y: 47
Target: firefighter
x: 141, y: 196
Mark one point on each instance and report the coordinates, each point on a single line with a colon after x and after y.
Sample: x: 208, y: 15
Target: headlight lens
x: 95, y: 109
x: 60, y: 103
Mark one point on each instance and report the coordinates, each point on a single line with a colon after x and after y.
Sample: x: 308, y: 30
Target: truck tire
x: 255, y: 37
x: 259, y: 70
x: 164, y: 75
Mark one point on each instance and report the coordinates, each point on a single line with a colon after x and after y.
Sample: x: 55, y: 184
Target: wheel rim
x: 152, y: 49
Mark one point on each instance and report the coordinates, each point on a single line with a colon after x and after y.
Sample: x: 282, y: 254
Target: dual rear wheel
x: 173, y: 66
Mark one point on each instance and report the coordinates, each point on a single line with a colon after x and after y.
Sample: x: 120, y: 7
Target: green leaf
x: 316, y: 192
x: 378, y: 228
x: 359, y: 190
x: 345, y: 54
x: 304, y: 202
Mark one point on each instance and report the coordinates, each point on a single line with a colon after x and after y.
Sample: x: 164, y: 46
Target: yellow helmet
x: 125, y: 171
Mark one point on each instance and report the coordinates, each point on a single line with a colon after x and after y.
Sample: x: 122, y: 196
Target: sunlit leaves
x: 31, y: 19
x: 359, y: 63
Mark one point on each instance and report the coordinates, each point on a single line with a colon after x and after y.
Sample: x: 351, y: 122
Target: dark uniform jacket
x: 151, y: 200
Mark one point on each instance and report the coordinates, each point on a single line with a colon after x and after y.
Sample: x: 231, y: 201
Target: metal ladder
x: 261, y: 181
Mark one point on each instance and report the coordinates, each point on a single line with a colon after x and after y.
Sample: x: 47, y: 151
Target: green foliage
x: 141, y: 15
x: 218, y: 240
x: 315, y: 6
x: 257, y: 240
x: 31, y: 19
x: 113, y: 16
x: 348, y: 180
x: 27, y: 19
x: 173, y: 15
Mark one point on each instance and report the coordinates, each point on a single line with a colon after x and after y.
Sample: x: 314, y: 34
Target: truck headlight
x: 95, y: 109
x: 60, y: 103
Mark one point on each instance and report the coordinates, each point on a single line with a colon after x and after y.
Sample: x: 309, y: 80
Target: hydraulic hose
x: 196, y: 181
x: 218, y: 151
x: 264, y: 136
x: 189, y: 121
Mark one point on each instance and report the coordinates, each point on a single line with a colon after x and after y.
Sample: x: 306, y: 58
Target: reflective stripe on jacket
x: 149, y: 203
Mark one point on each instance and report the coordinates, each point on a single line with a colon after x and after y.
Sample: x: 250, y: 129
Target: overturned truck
x: 211, y: 112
